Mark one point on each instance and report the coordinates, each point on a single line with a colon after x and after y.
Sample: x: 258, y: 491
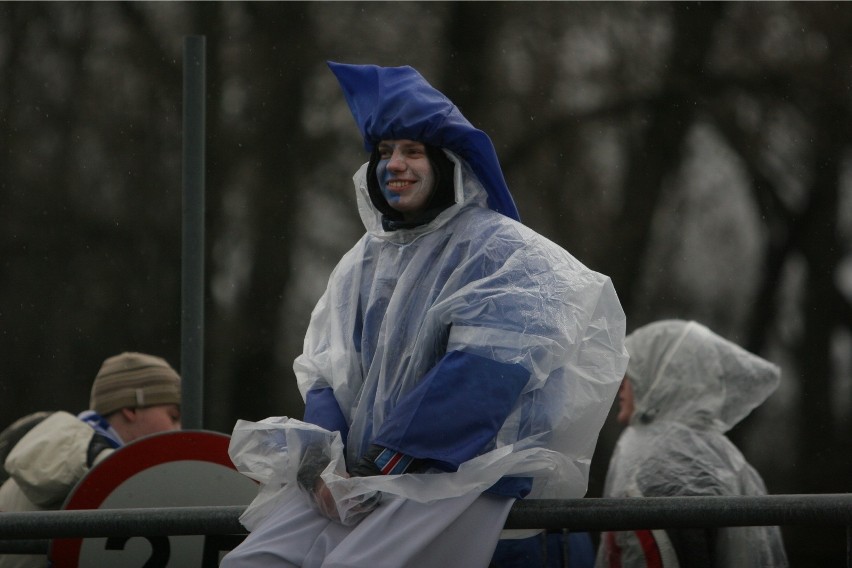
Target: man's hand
x: 325, y: 500
x: 314, y: 461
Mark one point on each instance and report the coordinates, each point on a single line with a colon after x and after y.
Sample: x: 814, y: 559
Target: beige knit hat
x: 133, y: 380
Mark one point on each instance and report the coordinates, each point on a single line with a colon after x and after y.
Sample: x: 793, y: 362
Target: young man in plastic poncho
x: 686, y: 387
x: 456, y: 362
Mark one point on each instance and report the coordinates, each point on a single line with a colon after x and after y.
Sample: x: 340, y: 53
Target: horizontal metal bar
x: 597, y: 514
x: 574, y: 514
x: 122, y: 522
x: 20, y: 546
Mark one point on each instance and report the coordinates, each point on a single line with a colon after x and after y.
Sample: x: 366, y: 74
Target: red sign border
x: 137, y: 456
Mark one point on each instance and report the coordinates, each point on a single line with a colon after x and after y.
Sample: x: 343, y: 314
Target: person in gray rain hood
x: 685, y: 387
x: 456, y: 362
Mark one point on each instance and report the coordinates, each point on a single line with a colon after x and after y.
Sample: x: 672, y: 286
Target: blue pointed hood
x: 391, y: 103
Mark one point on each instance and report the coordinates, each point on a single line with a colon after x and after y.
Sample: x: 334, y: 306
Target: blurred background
x: 697, y: 153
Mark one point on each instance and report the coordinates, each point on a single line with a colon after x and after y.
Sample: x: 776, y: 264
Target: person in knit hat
x: 133, y: 395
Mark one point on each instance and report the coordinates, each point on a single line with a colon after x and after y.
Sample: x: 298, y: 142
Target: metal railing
x: 28, y: 532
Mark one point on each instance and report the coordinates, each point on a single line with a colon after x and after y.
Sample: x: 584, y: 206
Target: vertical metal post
x: 192, y: 257
x: 849, y: 546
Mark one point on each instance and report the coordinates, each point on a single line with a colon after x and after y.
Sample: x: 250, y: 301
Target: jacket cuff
x: 383, y: 461
x: 390, y: 462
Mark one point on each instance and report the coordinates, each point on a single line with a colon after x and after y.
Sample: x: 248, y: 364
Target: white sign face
x: 178, y: 469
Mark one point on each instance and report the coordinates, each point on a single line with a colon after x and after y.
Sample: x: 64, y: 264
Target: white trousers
x: 399, y: 533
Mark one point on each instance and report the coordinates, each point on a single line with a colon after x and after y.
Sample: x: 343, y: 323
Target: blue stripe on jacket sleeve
x: 322, y: 409
x: 455, y: 411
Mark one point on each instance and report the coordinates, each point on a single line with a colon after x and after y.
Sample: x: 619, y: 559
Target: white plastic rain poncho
x: 690, y: 386
x: 469, y: 344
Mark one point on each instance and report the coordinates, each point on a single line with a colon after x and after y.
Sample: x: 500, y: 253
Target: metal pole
x: 824, y: 510
x: 122, y: 522
x: 192, y: 257
x: 848, y: 546
x: 597, y: 514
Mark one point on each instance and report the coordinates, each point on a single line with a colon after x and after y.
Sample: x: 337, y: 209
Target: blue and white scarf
x: 102, y: 427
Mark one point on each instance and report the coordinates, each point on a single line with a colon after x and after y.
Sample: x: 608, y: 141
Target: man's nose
x: 396, y: 162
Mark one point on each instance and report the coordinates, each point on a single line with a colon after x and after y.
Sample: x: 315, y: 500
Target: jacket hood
x: 681, y: 371
x: 393, y: 103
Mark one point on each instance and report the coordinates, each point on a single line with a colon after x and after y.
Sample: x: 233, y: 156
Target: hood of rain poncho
x: 690, y: 386
x: 395, y: 103
x: 681, y: 371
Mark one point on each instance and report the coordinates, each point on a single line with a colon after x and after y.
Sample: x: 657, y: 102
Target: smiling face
x: 405, y: 175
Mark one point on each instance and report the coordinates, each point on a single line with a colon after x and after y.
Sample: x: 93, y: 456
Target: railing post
x: 192, y: 257
x: 848, y: 546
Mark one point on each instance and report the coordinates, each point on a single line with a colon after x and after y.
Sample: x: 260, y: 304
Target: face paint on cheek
x: 383, y: 176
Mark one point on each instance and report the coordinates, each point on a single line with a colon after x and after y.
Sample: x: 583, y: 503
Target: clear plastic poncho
x: 471, y: 342
x: 471, y: 281
x: 690, y: 386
